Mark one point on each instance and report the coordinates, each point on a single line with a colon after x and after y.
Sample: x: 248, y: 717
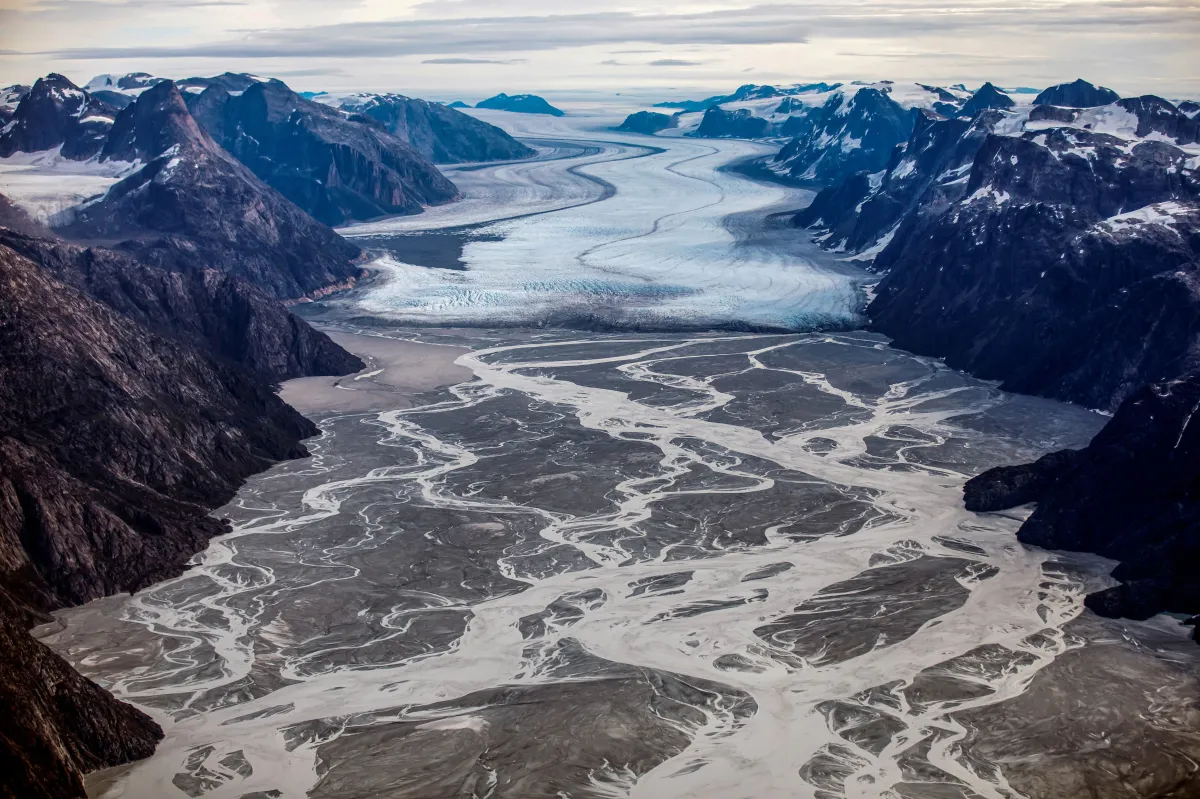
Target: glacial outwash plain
x: 628, y: 500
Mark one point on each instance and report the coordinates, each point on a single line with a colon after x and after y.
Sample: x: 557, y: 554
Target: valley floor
x: 532, y: 562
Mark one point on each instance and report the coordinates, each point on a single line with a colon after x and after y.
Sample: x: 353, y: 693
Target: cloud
x: 777, y: 24
x: 474, y: 61
x: 674, y: 62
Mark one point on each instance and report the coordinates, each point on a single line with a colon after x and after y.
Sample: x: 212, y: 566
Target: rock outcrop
x: 1078, y: 94
x: 335, y: 168
x: 208, y: 308
x: 115, y: 441
x: 193, y: 206
x: 987, y: 97
x: 1052, y: 249
x: 56, y: 113
x: 740, y: 124
x: 57, y: 724
x: 1132, y: 495
x: 854, y: 131
x: 438, y: 132
x: 648, y: 123
x: 521, y: 104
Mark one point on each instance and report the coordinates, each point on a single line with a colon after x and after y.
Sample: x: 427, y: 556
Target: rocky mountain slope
x: 521, y: 104
x: 1077, y: 94
x: 440, y: 133
x: 1133, y: 495
x: 55, y: 113
x: 224, y: 314
x: 852, y: 131
x: 336, y: 169
x: 648, y: 123
x: 193, y: 206
x: 1057, y: 249
x: 1014, y: 244
x: 114, y: 443
x: 57, y: 724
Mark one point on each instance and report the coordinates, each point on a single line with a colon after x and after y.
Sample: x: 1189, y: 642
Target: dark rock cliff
x: 57, y: 113
x: 740, y: 124
x: 987, y: 97
x: 438, y: 132
x: 1066, y: 264
x: 648, y: 123
x: 521, y: 104
x: 231, y: 318
x: 1132, y: 495
x: 114, y: 443
x: 334, y: 168
x: 55, y: 724
x: 193, y: 206
x: 1078, y: 94
x: 850, y: 133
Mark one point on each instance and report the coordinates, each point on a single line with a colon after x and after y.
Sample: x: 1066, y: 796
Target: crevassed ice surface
x: 649, y: 240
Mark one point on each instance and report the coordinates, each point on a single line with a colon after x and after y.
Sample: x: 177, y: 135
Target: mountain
x: 120, y: 90
x: 336, y: 169
x: 10, y: 96
x: 1132, y: 495
x: 987, y: 97
x: 193, y: 206
x: 115, y: 442
x: 1079, y: 94
x: 740, y: 124
x: 853, y: 131
x: 57, y: 724
x: 1078, y: 277
x: 749, y: 91
x: 438, y: 132
x: 1052, y: 249
x: 647, y: 123
x: 218, y: 312
x: 57, y: 113
x: 1189, y: 108
x: 521, y: 104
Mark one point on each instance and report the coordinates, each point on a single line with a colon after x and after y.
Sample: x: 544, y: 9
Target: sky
x: 471, y: 49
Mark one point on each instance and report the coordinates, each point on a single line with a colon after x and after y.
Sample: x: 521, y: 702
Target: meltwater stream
x: 656, y: 566
x: 716, y: 566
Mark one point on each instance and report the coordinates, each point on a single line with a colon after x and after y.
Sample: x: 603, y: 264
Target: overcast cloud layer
x: 473, y: 48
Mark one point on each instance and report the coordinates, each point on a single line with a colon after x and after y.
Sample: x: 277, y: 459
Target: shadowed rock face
x: 1079, y: 94
x: 56, y: 723
x: 114, y: 442
x: 1133, y: 495
x: 438, y: 132
x: 229, y: 317
x: 336, y: 169
x: 521, y: 104
x: 740, y: 124
x: 194, y: 207
x: 846, y: 135
x: 647, y: 122
x: 57, y: 113
x: 988, y: 96
x: 1062, y: 261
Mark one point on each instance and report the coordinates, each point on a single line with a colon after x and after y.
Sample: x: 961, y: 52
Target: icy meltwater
x: 608, y: 228
x: 717, y: 567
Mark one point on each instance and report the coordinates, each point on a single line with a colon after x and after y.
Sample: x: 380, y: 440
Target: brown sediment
x: 396, y: 371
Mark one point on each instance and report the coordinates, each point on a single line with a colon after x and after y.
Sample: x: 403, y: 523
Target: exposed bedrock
x: 1132, y: 495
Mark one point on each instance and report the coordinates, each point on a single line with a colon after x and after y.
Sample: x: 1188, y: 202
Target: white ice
x: 46, y: 185
x: 657, y: 252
